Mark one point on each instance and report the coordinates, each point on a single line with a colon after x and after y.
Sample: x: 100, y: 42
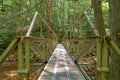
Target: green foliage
x: 105, y: 8
x: 86, y: 26
x: 5, y: 37
x: 2, y: 9
x: 7, y: 2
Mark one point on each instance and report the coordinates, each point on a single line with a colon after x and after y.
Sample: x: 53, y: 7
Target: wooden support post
x: 99, y: 73
x: 27, y: 58
x: 102, y: 59
x: 20, y: 59
x: 104, y: 52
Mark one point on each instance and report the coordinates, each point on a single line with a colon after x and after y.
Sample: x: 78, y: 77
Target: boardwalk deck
x: 61, y: 67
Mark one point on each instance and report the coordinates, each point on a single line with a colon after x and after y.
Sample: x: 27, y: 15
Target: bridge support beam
x: 102, y: 59
x: 23, y: 59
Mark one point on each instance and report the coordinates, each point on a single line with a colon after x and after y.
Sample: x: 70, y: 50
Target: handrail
x: 91, y: 24
x: 89, y: 21
x: 31, y: 25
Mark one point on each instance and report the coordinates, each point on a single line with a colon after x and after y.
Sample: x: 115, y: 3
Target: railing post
x: 105, y: 68
x: 27, y: 57
x: 102, y: 59
x: 99, y: 73
x: 20, y: 59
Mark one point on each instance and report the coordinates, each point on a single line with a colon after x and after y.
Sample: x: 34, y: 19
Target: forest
x: 89, y: 30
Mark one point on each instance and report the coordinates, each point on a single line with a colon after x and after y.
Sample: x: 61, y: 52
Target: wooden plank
x: 61, y: 66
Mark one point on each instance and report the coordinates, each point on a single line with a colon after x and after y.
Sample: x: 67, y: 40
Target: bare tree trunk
x: 99, y: 21
x: 48, y: 18
x: 115, y: 34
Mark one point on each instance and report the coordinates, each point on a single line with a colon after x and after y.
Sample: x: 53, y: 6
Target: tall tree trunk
x: 115, y: 34
x: 99, y: 21
x: 48, y: 18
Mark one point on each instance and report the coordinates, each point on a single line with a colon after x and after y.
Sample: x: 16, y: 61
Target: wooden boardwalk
x: 61, y: 67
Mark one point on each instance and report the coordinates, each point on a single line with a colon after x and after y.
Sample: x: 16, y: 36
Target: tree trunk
x: 99, y: 21
x: 48, y: 18
x: 115, y: 34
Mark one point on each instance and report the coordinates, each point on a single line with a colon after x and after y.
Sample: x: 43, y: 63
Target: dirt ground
x: 8, y: 71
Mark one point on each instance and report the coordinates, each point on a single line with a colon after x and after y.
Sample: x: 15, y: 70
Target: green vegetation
x: 64, y: 15
x: 66, y: 19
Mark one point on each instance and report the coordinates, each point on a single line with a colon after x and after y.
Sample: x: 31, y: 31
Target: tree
x: 48, y: 18
x: 99, y: 21
x: 115, y: 34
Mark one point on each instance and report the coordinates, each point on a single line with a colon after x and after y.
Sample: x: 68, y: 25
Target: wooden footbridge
x: 61, y: 66
x: 60, y: 57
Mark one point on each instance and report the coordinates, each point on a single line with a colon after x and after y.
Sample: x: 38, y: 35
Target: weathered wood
x: 105, y: 63
x: 99, y: 65
x: 112, y: 45
x: 10, y: 47
x: 27, y: 57
x: 37, y: 52
x: 20, y: 59
x: 31, y: 25
x: 27, y: 54
x: 102, y: 59
x: 34, y: 39
x: 61, y: 66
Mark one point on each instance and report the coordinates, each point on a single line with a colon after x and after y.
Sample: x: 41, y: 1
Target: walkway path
x: 61, y: 67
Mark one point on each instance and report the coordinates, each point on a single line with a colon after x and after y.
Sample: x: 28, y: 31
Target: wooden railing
x: 40, y: 47
x: 102, y: 54
x: 81, y: 47
x: 102, y: 51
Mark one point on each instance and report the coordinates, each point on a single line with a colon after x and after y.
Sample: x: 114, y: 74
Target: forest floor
x: 8, y: 71
x: 87, y: 64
